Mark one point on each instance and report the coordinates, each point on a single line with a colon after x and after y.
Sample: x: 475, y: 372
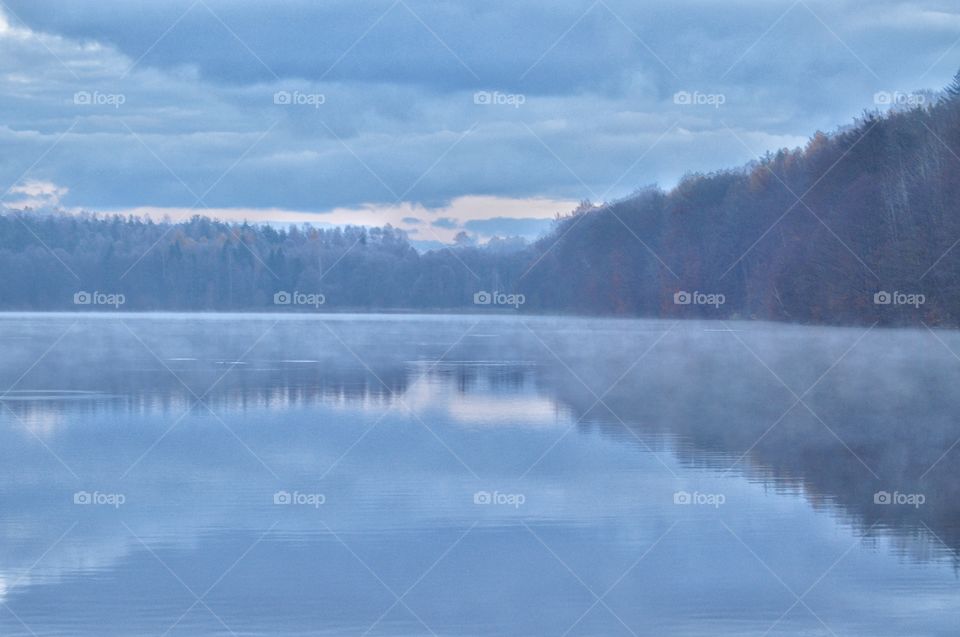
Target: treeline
x: 859, y: 226
x: 204, y: 264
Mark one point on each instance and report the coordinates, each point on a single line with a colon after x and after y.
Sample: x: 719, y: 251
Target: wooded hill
x: 807, y: 235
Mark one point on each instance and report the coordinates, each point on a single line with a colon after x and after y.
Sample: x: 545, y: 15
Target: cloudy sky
x: 437, y: 117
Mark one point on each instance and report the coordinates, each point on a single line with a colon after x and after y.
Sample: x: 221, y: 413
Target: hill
x: 861, y: 225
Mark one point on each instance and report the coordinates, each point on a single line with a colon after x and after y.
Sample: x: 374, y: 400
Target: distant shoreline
x: 392, y: 312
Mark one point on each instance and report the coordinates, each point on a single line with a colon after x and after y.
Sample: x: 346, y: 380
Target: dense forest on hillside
x: 808, y: 235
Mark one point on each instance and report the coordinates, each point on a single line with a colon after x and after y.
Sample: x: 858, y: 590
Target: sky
x: 436, y: 117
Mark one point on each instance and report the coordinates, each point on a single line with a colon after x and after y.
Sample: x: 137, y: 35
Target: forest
x: 862, y: 225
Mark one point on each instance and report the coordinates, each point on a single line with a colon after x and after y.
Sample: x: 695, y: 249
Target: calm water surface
x: 475, y: 475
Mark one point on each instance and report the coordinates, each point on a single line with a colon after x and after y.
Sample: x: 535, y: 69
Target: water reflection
x: 399, y: 422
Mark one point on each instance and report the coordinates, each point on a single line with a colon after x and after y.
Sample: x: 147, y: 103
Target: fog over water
x: 466, y: 475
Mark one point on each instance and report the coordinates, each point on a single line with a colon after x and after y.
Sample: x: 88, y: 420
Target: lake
x: 475, y: 475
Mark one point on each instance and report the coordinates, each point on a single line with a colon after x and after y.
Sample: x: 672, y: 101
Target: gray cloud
x: 445, y: 222
x: 398, y: 116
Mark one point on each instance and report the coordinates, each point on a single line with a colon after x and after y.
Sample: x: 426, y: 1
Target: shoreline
x: 502, y: 314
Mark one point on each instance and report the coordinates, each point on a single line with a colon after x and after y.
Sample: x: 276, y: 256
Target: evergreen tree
x: 952, y: 91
